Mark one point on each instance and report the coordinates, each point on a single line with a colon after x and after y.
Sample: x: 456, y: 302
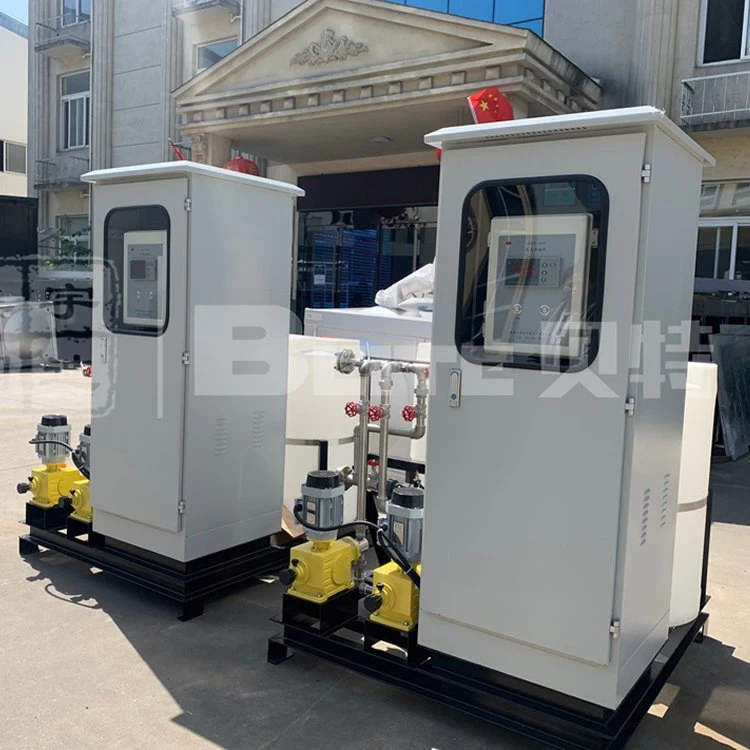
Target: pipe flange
x: 346, y: 361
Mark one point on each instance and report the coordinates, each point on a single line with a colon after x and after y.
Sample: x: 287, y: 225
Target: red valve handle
x: 351, y: 409
x: 374, y: 413
x: 87, y: 371
x: 409, y: 413
x: 373, y: 462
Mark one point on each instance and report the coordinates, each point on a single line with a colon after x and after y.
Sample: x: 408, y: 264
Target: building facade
x: 334, y: 94
x: 13, y: 94
x: 691, y: 58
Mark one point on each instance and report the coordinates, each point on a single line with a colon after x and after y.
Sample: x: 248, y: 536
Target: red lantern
x: 240, y: 164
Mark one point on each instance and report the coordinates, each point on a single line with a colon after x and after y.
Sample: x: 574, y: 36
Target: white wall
x: 13, y: 96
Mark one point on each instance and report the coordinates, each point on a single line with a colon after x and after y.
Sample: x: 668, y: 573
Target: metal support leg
x: 278, y: 652
x: 26, y: 546
x: 191, y: 609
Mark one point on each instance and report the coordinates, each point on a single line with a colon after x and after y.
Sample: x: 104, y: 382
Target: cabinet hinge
x: 181, y: 507
x: 646, y: 173
x: 630, y: 406
x: 185, y: 358
x: 188, y: 204
x: 614, y: 629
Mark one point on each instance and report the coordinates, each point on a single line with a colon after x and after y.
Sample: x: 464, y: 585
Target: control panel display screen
x: 536, y: 293
x: 521, y: 271
x: 145, y: 279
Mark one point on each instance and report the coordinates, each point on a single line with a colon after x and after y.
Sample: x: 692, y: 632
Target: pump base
x: 46, y: 518
x: 544, y: 715
x: 188, y: 584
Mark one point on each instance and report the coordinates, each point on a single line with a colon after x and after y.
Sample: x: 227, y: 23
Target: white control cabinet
x: 191, y: 321
x: 566, y: 248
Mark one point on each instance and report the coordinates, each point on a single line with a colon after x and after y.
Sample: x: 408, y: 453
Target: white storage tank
x: 317, y: 394
x: 692, y: 500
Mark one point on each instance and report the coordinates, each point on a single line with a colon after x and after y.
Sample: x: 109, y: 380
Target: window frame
x: 196, y: 68
x: 733, y: 223
x: 112, y: 311
x: 4, y: 158
x: 66, y: 101
x: 745, y: 42
x: 526, y: 362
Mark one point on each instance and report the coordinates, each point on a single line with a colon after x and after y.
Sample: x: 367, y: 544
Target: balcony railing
x: 62, y: 35
x: 60, y: 171
x: 716, y: 101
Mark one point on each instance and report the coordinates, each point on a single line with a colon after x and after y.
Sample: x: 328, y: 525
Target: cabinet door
x: 140, y: 258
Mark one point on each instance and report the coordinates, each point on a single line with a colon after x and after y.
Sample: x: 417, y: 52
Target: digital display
x: 137, y: 269
x: 532, y: 272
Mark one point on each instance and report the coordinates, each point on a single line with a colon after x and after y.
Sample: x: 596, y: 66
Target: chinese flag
x: 490, y: 105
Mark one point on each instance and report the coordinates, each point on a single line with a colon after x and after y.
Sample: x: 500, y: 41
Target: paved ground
x: 87, y: 661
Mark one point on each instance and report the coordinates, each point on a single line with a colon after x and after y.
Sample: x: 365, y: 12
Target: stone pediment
x: 323, y: 39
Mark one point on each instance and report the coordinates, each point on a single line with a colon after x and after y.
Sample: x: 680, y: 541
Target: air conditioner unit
x: 27, y: 334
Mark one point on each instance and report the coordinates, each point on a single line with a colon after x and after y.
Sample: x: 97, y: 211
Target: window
x: 725, y: 36
x: 75, y: 11
x: 724, y: 251
x: 208, y: 54
x: 527, y: 14
x: 70, y: 250
x: 136, y: 278
x: 74, y: 115
x: 532, y: 273
x: 12, y: 157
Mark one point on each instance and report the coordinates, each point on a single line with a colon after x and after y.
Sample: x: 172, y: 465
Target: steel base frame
x: 542, y: 714
x: 189, y: 584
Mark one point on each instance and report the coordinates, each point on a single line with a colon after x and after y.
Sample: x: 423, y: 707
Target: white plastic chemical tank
x: 317, y: 394
x: 695, y: 466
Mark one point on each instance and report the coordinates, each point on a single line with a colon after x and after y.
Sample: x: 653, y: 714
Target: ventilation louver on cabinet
x: 644, y: 515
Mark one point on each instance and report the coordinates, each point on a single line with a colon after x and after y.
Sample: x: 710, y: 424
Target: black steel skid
x: 540, y: 713
x: 188, y: 584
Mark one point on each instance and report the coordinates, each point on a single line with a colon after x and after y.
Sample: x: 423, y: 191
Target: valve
x: 374, y: 413
x: 373, y: 462
x: 352, y: 409
x: 87, y: 371
x: 409, y: 413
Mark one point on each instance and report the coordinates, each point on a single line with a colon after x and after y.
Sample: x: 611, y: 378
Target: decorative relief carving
x: 329, y: 48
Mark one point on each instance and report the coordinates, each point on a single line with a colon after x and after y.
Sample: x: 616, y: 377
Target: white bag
x: 413, y: 291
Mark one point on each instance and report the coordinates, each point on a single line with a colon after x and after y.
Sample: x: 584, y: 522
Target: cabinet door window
x: 726, y: 30
x: 75, y: 110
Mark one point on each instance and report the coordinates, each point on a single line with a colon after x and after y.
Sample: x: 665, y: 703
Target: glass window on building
x: 74, y: 11
x: 12, y: 157
x: 724, y: 233
x: 208, y: 54
x: 74, y: 110
x: 72, y: 250
x: 725, y: 35
x: 528, y: 14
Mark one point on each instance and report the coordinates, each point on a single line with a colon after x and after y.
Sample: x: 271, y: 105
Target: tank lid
x: 323, y: 480
x: 408, y: 497
x: 87, y: 430
x: 54, y: 420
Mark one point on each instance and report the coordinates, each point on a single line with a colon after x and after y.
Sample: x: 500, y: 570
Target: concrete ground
x: 88, y: 661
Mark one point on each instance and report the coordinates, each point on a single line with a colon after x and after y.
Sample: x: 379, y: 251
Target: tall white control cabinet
x: 191, y: 321
x: 567, y: 248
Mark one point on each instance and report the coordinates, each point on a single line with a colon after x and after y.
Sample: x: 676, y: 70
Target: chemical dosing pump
x: 326, y: 567
x: 56, y: 485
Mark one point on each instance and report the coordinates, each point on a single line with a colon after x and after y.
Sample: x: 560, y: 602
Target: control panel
x: 145, y: 278
x: 536, y: 286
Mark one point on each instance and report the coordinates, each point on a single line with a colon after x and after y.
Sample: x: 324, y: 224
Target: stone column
x: 102, y: 37
x: 654, y: 41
